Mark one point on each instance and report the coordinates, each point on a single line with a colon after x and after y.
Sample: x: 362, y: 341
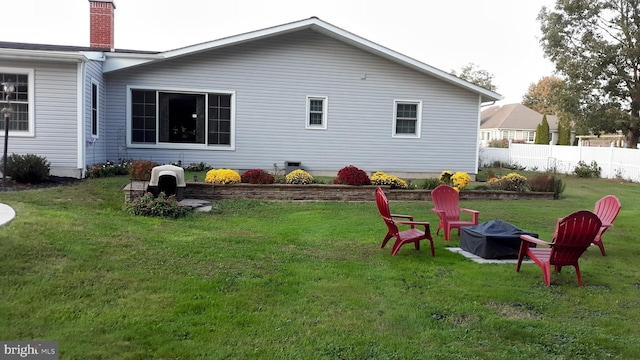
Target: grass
x: 296, y: 280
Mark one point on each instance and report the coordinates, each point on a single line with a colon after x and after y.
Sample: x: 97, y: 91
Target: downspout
x: 82, y: 68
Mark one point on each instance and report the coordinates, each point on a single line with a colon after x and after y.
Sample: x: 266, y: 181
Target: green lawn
x: 288, y: 280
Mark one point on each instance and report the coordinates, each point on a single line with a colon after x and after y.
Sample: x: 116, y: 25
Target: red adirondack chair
x: 573, y: 235
x: 607, y: 210
x: 446, y: 204
x: 411, y: 235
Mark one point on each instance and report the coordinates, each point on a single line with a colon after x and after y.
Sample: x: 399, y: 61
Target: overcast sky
x: 499, y: 36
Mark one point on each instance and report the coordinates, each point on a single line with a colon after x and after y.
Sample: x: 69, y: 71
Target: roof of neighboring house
x: 514, y: 116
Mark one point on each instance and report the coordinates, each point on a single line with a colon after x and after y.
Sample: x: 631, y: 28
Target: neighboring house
x: 514, y: 122
x: 305, y: 92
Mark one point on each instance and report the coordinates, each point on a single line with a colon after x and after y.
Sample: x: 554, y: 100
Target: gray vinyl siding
x: 271, y: 79
x: 55, y: 122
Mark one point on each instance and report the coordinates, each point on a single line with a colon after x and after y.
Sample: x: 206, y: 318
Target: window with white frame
x: 94, y: 109
x: 407, y: 118
x: 317, y: 112
x: 21, y: 119
x: 161, y: 117
x: 507, y: 135
x: 529, y: 136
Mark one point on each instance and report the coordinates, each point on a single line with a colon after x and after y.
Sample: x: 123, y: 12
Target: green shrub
x: 27, y: 169
x: 299, y: 176
x: 558, y: 187
x: 351, y: 175
x: 587, y: 171
x: 108, y: 169
x: 161, y: 206
x: 257, y: 176
x: 430, y: 184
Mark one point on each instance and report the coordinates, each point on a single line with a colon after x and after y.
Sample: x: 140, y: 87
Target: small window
x: 317, y: 112
x: 529, y: 136
x: 94, y: 109
x: 407, y: 118
x: 507, y: 135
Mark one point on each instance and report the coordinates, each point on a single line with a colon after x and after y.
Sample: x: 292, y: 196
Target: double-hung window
x: 191, y: 119
x: 407, y: 118
x: 317, y: 112
x: 21, y: 101
x: 529, y: 136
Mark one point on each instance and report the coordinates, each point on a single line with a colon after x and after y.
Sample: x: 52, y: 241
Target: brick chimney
x: 101, y: 21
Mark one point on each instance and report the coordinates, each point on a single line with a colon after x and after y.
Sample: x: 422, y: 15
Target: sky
x: 499, y: 36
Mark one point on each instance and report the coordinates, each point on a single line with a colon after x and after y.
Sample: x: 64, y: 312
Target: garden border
x: 322, y: 192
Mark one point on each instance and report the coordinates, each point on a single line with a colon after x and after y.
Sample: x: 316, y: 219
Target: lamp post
x: 8, y: 89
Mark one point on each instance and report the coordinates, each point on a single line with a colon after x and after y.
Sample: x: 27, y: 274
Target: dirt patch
x: 514, y: 310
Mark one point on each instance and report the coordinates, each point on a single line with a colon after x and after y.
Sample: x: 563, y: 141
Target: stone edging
x: 322, y: 192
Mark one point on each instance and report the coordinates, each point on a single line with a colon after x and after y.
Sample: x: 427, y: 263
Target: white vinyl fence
x: 616, y: 163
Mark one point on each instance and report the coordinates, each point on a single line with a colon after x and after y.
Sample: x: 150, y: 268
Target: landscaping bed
x: 323, y: 192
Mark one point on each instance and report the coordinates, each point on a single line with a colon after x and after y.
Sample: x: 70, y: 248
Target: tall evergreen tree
x: 564, y: 133
x: 542, y: 132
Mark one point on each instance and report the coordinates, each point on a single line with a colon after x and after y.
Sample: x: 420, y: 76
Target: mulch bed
x: 53, y: 181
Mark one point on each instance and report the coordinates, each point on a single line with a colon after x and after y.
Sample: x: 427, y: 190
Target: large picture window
x: 407, y: 118
x: 171, y: 117
x: 21, y: 100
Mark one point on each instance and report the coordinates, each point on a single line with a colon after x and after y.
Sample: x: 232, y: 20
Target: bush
x: 108, y: 169
x: 558, y: 187
x: 197, y: 167
x: 509, y: 182
x: 351, y: 175
x: 299, y: 176
x: 587, y: 171
x: 460, y: 180
x: 542, y: 183
x: 27, y: 169
x: 445, y: 177
x: 141, y: 169
x: 430, y: 184
x: 161, y: 206
x: 501, y: 143
x: 257, y: 176
x: 222, y: 176
x: 380, y: 178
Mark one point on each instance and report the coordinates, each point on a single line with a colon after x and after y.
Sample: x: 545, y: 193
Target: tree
x: 564, y: 133
x: 542, y: 132
x: 545, y: 95
x: 595, y: 46
x: 473, y: 74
